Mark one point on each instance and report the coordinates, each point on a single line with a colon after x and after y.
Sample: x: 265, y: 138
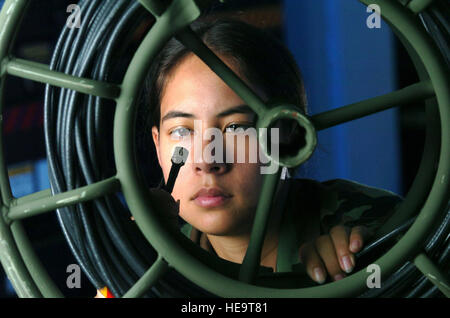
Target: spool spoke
x: 418, y: 6
x: 155, y: 7
x: 26, y: 207
x: 433, y: 273
x: 14, y: 265
x: 412, y: 93
x: 40, y: 276
x: 151, y: 276
x: 252, y: 257
x: 196, y: 45
x: 41, y: 73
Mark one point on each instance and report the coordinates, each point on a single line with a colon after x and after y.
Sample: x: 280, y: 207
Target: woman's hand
x: 333, y: 253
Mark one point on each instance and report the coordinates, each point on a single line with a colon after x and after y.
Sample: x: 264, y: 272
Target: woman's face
x: 215, y: 198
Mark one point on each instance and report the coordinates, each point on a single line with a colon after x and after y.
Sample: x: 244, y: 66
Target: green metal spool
x: 30, y: 279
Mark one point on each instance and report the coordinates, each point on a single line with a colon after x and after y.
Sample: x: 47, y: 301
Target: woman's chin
x: 219, y: 226
x: 215, y: 227
x: 220, y: 222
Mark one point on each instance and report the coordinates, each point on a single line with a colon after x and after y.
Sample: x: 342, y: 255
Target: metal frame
x: 30, y: 279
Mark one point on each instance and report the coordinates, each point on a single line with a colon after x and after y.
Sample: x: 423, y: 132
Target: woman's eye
x: 236, y: 128
x: 179, y: 133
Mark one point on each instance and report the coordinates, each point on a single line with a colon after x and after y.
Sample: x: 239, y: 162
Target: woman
x: 217, y: 198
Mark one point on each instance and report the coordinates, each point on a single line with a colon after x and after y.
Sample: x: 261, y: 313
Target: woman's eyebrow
x: 174, y: 114
x: 241, y: 109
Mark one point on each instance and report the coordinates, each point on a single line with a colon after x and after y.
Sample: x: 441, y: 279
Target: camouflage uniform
x: 350, y: 203
x: 312, y: 208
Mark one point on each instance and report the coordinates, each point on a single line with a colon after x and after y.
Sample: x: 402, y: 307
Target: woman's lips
x: 210, y: 202
x: 210, y: 198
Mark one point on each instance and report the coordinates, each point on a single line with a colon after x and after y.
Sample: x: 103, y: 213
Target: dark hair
x: 258, y: 56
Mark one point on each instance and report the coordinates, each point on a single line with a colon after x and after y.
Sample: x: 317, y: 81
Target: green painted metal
x: 5, y: 187
x: 352, y: 285
x: 134, y: 190
x: 288, y: 112
x: 38, y: 273
x: 191, y: 41
x: 412, y: 241
x: 173, y: 247
x: 415, y: 92
x: 418, y: 6
x: 10, y: 19
x: 156, y: 8
x: 426, y: 173
x: 252, y: 258
x: 41, y: 73
x: 53, y: 202
x: 151, y: 276
x: 433, y: 273
x: 13, y: 264
x: 31, y: 197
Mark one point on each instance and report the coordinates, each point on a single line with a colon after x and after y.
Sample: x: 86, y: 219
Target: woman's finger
x: 358, y: 237
x: 325, y: 248
x: 340, y: 237
x: 313, y: 263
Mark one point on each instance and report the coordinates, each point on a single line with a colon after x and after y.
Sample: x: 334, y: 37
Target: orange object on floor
x: 106, y: 293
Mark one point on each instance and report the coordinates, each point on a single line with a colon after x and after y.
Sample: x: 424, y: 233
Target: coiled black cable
x: 97, y: 232
x: 105, y: 242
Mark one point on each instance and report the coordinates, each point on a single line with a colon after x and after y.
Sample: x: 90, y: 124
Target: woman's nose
x: 208, y: 152
x: 211, y: 161
x: 210, y: 167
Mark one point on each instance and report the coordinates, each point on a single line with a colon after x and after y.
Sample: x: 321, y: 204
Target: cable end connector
x: 180, y: 156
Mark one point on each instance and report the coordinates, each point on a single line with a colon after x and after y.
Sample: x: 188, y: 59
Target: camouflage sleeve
x: 355, y: 204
